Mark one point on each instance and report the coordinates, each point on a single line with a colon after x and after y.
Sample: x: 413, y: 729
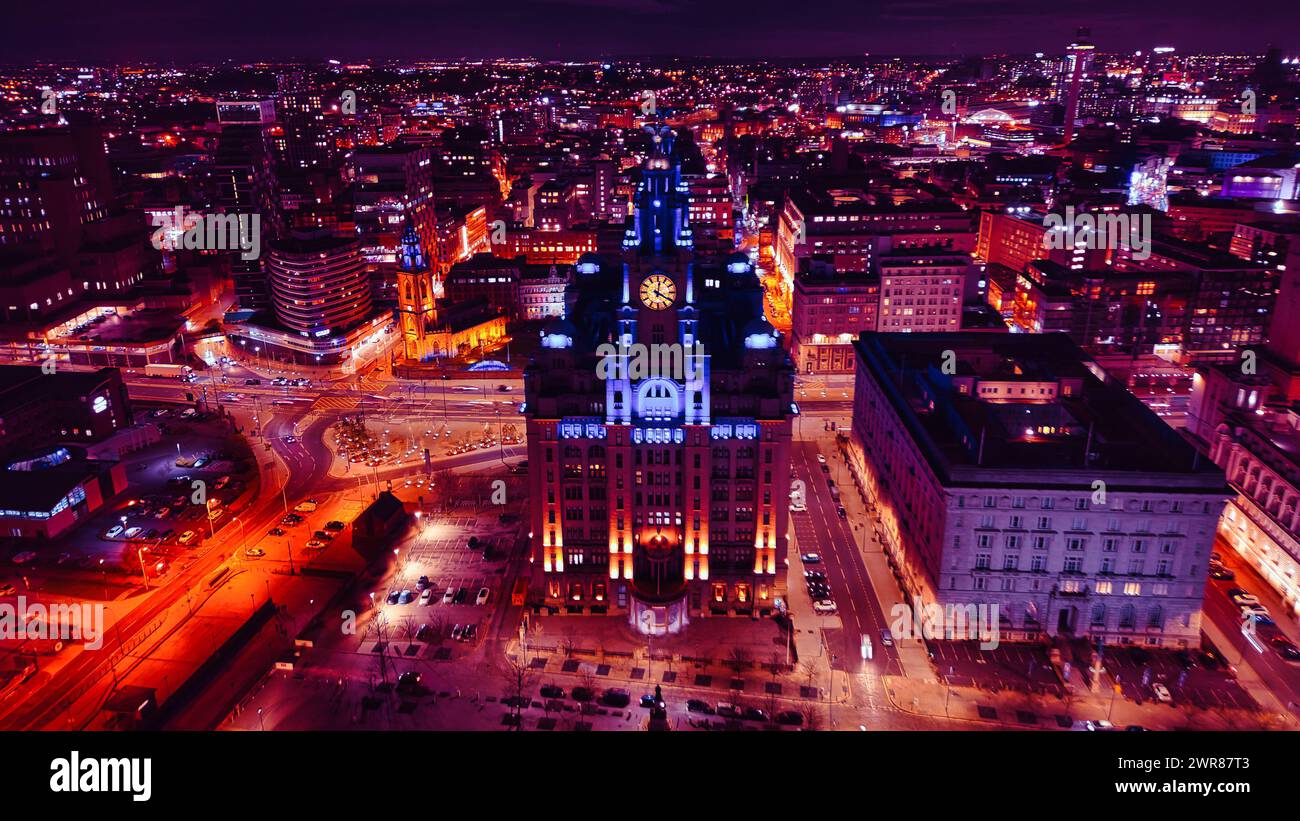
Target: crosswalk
x: 335, y: 403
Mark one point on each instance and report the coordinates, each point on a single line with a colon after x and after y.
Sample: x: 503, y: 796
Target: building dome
x: 558, y: 333
x: 759, y: 334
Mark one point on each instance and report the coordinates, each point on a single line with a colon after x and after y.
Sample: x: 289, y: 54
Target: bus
x: 520, y: 593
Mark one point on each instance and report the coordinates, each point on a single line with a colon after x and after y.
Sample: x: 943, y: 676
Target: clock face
x: 658, y: 292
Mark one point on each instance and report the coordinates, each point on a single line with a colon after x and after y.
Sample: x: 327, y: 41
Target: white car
x: 825, y: 607
x: 426, y: 597
x: 798, y: 506
x: 132, y: 532
x: 1162, y: 693
x: 482, y: 597
x: 810, y: 558
x: 113, y: 532
x: 449, y: 596
x: 821, y: 460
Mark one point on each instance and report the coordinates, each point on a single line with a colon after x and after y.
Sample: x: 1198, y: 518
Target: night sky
x: 124, y: 30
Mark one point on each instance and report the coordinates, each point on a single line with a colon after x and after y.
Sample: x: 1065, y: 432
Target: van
x: 308, y: 506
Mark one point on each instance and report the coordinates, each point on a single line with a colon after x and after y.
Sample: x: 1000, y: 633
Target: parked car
x: 315, y: 544
x: 1162, y: 693
x: 456, y: 632
x: 275, y: 531
x: 552, y: 691
x: 695, y: 705
x: 482, y: 597
x: 1222, y: 574
x: 308, y: 506
x: 461, y: 595
x: 449, y: 596
x: 334, y: 526
x: 617, y: 697
x: 393, y: 596
x: 7, y: 589
x: 755, y: 714
x: 810, y: 558
x: 825, y: 607
x: 424, y: 633
x: 469, y: 633
x: 186, y: 537
x: 113, y: 532
x: 790, y: 718
x: 1244, y: 599
x: 426, y: 596
x: 728, y: 710
x: 254, y: 552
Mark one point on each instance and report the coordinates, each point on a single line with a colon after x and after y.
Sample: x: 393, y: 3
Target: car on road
x: 616, y: 697
x: 810, y: 558
x: 201, y: 461
x: 275, y: 531
x: 162, y: 512
x: 821, y: 459
x: 552, y: 691
x: 886, y: 638
x: 426, y: 596
x: 1254, y: 611
x: 694, y: 705
x: 291, y: 520
x: 254, y: 552
x: 797, y: 506
x: 323, y: 535
x: 449, y: 596
x: 308, y: 506
x: 841, y: 512
x: 1285, y: 648
x: 408, y: 680
x: 7, y: 589
x: 1244, y: 599
x: 334, y: 526
x: 482, y: 597
x: 252, y: 381
x: 186, y: 537
x: 25, y: 557
x: 315, y: 544
x: 649, y: 702
x: 825, y: 607
x: 1162, y: 693
x: 1222, y: 574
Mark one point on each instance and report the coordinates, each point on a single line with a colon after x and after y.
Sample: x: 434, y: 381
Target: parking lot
x: 1191, y: 678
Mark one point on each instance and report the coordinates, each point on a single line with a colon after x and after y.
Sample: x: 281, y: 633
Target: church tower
x: 415, y: 295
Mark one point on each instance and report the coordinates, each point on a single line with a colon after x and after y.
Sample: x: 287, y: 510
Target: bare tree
x: 739, y: 659
x: 520, y: 680
x: 812, y: 717
x: 409, y: 627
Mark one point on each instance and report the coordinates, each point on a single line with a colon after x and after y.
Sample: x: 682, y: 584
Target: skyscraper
x: 660, y: 491
x: 1074, y: 68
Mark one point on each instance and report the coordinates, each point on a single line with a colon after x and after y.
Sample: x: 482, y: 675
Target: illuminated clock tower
x: 659, y: 416
x: 415, y: 295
